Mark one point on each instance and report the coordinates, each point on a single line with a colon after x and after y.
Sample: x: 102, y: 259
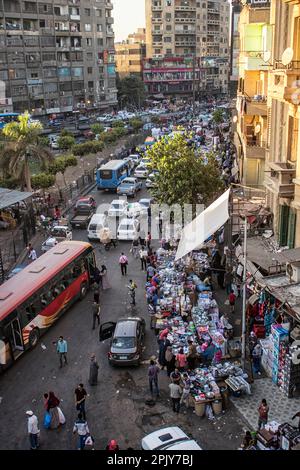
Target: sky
x: 128, y: 15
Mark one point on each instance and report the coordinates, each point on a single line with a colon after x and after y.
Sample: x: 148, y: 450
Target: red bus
x: 36, y: 297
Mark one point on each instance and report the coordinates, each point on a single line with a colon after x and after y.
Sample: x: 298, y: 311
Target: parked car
x: 170, y: 438
x: 127, y: 341
x: 84, y: 203
x: 97, y: 223
x: 128, y: 229
x: 117, y: 208
x: 129, y: 186
x: 141, y: 171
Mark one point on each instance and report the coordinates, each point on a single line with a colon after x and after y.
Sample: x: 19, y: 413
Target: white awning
x: 203, y: 226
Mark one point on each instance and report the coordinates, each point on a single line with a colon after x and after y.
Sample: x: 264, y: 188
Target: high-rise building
x: 131, y: 53
x: 236, y: 9
x: 190, y: 29
x: 57, y: 55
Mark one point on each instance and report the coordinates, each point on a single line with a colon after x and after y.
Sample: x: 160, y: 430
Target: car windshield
x: 116, y: 205
x: 125, y: 342
x: 127, y: 226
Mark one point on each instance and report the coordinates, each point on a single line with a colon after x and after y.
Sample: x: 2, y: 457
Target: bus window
x: 31, y: 312
x: 78, y: 268
x: 106, y: 174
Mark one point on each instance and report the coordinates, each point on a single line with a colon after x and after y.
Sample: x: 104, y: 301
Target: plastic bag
x: 209, y: 412
x: 47, y: 420
x: 61, y: 416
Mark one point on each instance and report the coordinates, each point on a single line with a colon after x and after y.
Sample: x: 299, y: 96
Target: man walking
x: 256, y: 357
x: 80, y: 396
x: 132, y: 286
x: 263, y: 412
x: 153, y: 372
x: 143, y: 257
x: 33, y: 430
x: 123, y: 262
x: 82, y: 429
x: 62, y: 349
x: 32, y: 254
x: 96, y: 313
x: 175, y: 394
x: 232, y: 299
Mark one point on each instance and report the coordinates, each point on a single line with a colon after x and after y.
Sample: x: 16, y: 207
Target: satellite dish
x: 234, y: 119
x: 257, y: 129
x: 287, y: 56
x: 266, y: 56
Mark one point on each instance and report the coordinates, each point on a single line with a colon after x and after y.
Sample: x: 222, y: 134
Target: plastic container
x: 200, y: 408
x: 217, y: 407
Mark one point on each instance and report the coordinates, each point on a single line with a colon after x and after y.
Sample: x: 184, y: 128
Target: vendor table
x: 237, y: 384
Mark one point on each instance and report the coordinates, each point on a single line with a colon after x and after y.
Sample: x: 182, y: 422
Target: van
x: 97, y: 223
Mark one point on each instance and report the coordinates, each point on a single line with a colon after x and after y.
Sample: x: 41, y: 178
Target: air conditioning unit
x: 293, y: 271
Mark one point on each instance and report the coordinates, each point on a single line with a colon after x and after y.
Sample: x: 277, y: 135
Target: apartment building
x: 130, y: 54
x: 282, y: 169
x: 236, y: 9
x: 57, y: 55
x: 191, y: 29
x: 255, y: 34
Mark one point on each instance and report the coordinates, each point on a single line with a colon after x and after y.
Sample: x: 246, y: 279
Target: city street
x: 116, y: 407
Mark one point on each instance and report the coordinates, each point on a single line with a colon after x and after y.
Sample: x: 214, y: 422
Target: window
x: 89, y: 56
x: 89, y: 42
x: 87, y: 12
x: 90, y: 70
x: 77, y: 72
x: 87, y: 27
x: 167, y: 39
x: 42, y: 23
x: 64, y: 71
x: 99, y: 28
x: 98, y: 13
x: 169, y: 27
x: 100, y: 41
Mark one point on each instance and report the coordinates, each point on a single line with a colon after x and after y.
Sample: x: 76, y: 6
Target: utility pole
x: 244, y: 297
x: 194, y: 83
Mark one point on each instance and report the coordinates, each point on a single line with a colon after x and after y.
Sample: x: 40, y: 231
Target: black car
x: 127, y: 341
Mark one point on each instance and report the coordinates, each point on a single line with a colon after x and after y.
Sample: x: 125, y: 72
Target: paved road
x: 116, y: 407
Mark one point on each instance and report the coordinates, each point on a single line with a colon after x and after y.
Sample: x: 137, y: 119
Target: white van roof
x: 97, y: 218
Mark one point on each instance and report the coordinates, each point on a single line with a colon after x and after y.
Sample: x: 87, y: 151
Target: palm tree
x: 22, y: 145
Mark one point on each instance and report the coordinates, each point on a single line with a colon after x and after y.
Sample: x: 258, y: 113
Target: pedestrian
x: 33, y: 430
x: 94, y: 366
x: 181, y: 361
x: 256, y: 357
x: 142, y: 238
x: 175, y: 394
x: 135, y: 247
x: 217, y: 356
x: 163, y: 344
x: 175, y: 376
x: 148, y: 240
x: 62, y: 349
x: 169, y: 360
x: 150, y: 272
x: 263, y: 412
x: 112, y: 446
x: 154, y: 301
x: 82, y: 429
x: 247, y: 441
x: 96, y: 314
x: 143, y: 257
x: 123, y: 262
x: 57, y: 213
x: 80, y: 396
x: 52, y: 409
x: 103, y: 276
x: 191, y: 355
x: 132, y: 286
x: 228, y: 281
x: 232, y: 299
x: 186, y: 390
x: 97, y: 296
x: 32, y: 254
x: 153, y: 372
x: 297, y: 415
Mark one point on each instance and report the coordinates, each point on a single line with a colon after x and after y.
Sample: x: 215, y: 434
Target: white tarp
x: 203, y: 226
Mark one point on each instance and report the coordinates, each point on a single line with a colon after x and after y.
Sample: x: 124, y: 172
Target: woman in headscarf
x: 104, y: 282
x: 52, y: 405
x: 94, y: 366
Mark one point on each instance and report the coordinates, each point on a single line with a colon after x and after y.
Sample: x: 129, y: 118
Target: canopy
x: 8, y: 197
x: 203, y: 226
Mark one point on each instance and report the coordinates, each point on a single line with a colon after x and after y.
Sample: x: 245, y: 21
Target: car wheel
x: 34, y: 337
x: 83, y: 290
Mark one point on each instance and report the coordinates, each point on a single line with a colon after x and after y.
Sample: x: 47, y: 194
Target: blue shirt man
x: 62, y: 349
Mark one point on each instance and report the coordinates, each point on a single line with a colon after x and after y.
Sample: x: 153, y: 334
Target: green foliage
x: 44, y: 141
x: 86, y: 148
x: 155, y: 119
x: 136, y: 123
x: 97, y: 128
x: 131, y: 91
x: 108, y: 137
x: 119, y: 132
x: 10, y: 183
x: 184, y: 177
x: 118, y: 124
x: 217, y: 116
x: 66, y: 142
x: 65, y: 133
x: 42, y: 181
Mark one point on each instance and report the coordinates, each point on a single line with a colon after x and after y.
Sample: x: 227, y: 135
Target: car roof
x: 119, y: 201
x: 165, y: 439
x: 127, y: 221
x: 126, y: 327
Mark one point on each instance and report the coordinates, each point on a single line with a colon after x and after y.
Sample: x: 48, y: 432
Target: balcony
x: 256, y: 105
x: 74, y: 17
x: 108, y: 5
x: 279, y: 179
x: 214, y: 22
x: 181, y: 31
x: 156, y: 20
x: 184, y: 8
x: 213, y: 11
x: 254, y: 148
x: 286, y: 82
x: 185, y: 20
x: 109, y: 20
x: 157, y: 8
x: 157, y: 44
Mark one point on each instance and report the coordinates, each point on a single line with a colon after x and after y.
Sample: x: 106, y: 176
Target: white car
x: 146, y: 202
x: 129, y: 229
x: 145, y: 161
x: 135, y: 210
x: 130, y: 162
x: 141, y: 171
x: 150, y: 181
x: 117, y: 208
x: 171, y: 438
x: 135, y: 157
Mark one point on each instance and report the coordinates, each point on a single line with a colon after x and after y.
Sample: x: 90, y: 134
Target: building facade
x: 57, y: 55
x: 130, y: 54
x: 236, y: 9
x: 192, y: 29
x: 282, y: 171
x: 251, y: 131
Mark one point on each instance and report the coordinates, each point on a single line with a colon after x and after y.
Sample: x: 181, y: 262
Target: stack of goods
x: 267, y: 355
x: 267, y: 439
x: 289, y: 436
x: 291, y: 372
x: 279, y: 337
x: 204, y: 386
x: 180, y: 334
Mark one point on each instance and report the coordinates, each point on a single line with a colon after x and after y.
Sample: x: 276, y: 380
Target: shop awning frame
x: 9, y: 197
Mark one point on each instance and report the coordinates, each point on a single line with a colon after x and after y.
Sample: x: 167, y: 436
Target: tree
x: 93, y: 146
x: 217, y: 116
x: 184, y: 177
x: 118, y: 123
x: 42, y: 181
x: 66, y: 142
x: 97, y: 128
x: 60, y: 165
x: 131, y: 92
x: 21, y: 147
x: 137, y: 124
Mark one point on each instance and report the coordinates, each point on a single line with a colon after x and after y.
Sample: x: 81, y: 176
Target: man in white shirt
x: 33, y: 430
x: 32, y: 254
x: 175, y: 394
x: 82, y: 429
